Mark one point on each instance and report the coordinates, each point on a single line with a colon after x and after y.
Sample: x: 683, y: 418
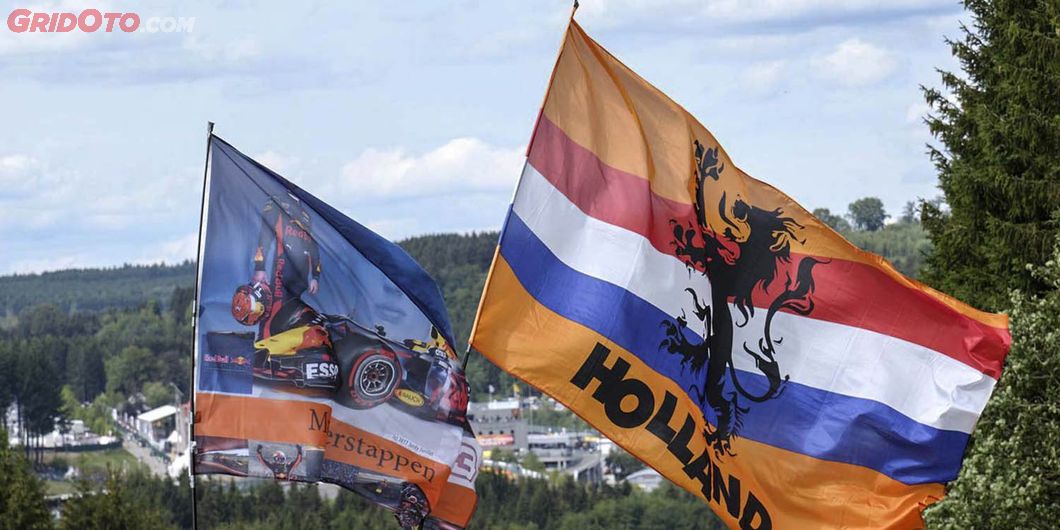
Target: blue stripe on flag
x: 803, y: 419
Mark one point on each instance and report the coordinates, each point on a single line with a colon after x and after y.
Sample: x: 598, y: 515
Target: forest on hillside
x: 81, y: 290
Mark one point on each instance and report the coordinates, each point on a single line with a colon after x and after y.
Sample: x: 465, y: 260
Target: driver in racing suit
x: 295, y: 264
x: 286, y: 233
x: 280, y: 465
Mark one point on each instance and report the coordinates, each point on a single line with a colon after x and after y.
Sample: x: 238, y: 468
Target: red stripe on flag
x: 847, y: 292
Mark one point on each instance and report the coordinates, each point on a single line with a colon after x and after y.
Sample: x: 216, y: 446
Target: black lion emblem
x: 739, y: 257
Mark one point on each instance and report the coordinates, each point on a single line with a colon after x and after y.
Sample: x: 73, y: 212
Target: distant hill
x: 94, y: 289
x: 459, y: 264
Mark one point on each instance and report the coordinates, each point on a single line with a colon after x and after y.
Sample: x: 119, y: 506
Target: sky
x: 412, y: 117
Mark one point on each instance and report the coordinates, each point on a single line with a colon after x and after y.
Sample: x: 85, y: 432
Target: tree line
x: 63, y: 366
x: 92, y: 290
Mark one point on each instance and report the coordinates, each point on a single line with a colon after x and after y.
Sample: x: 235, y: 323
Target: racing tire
x: 374, y: 378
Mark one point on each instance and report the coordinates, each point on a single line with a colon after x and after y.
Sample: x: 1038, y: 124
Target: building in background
x: 507, y: 427
x: 156, y: 425
x: 646, y: 479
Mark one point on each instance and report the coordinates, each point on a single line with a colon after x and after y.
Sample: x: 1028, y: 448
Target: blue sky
x: 412, y: 117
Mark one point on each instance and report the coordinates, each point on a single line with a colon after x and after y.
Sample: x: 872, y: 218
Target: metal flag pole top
x: 195, y: 325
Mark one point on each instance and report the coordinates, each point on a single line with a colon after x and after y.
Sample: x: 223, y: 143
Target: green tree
x: 835, y: 221
x: 37, y: 396
x: 910, y: 213
x: 533, y: 463
x: 157, y: 394
x: 904, y: 244
x: 622, y: 464
x: 867, y: 214
x: 115, y: 506
x: 84, y: 368
x: 999, y: 163
x: 7, y: 381
x: 22, y: 505
x: 1012, y: 477
x: 129, y: 370
x: 78, y: 292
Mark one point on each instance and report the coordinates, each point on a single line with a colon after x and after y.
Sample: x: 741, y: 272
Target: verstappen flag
x: 712, y: 327
x: 324, y: 353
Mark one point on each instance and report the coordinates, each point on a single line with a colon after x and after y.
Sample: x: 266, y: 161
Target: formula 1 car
x: 302, y: 356
x: 420, y: 378
x: 367, y: 368
x: 222, y: 462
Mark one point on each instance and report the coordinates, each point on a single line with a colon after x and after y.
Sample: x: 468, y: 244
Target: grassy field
x: 91, y: 464
x: 58, y: 487
x: 94, y: 462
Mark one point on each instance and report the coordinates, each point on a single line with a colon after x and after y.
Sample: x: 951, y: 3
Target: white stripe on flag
x: 924, y: 385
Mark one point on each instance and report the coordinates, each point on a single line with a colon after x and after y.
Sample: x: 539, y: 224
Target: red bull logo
x: 226, y: 359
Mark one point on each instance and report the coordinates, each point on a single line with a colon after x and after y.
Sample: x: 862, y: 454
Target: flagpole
x: 529, y: 145
x: 195, y: 326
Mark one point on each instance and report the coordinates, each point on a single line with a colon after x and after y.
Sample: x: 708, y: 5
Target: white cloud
x: 916, y: 112
x: 502, y: 43
x: 38, y: 194
x: 27, y: 266
x: 277, y: 162
x: 173, y: 251
x: 213, y: 51
x: 721, y: 12
x: 28, y: 185
x: 461, y: 165
x: 395, y: 229
x: 754, y: 10
x: 855, y: 62
x: 762, y: 77
x: 18, y: 172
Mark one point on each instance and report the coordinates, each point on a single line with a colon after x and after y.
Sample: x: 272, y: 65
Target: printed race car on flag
x: 712, y: 327
x: 324, y: 353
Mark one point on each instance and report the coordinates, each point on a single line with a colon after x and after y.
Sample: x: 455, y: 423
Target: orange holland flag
x: 715, y: 329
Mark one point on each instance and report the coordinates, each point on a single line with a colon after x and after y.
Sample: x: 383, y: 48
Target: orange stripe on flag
x: 307, y: 423
x: 792, y: 490
x: 457, y: 504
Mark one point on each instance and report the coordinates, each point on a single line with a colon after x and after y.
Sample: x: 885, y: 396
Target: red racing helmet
x: 251, y: 303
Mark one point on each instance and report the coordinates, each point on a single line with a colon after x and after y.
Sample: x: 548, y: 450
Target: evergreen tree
x: 999, y: 163
x: 117, y: 506
x: 7, y: 382
x: 22, y: 505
